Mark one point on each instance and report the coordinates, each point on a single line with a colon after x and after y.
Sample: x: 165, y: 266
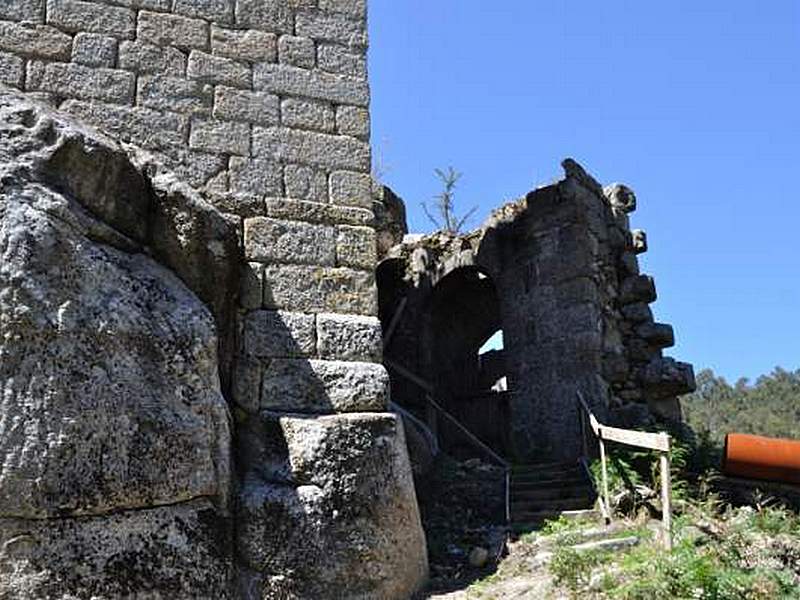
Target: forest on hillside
x: 770, y: 406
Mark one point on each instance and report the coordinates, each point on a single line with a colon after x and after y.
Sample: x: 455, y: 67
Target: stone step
x: 527, y: 468
x: 561, y: 504
x: 551, y: 484
x: 571, y: 475
x: 554, y: 470
x: 543, y: 557
x: 600, y: 532
x: 535, y: 520
x: 551, y: 496
x: 538, y: 494
x: 608, y: 545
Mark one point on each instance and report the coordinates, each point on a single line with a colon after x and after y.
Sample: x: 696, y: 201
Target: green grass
x: 719, y: 552
x: 574, y: 569
x: 566, y: 525
x: 741, y: 554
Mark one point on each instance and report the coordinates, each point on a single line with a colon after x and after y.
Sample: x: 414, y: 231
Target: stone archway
x: 463, y: 312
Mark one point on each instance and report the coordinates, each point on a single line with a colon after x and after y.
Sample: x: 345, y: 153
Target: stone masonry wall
x: 263, y: 106
x: 573, y: 306
x: 259, y: 98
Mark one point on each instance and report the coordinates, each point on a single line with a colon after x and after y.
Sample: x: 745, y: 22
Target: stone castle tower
x: 192, y: 403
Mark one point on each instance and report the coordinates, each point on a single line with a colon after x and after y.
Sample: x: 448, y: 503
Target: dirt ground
x: 463, y: 508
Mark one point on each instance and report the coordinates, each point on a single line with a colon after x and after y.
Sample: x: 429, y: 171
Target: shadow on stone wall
x: 114, y: 434
x: 326, y: 507
x: 125, y: 286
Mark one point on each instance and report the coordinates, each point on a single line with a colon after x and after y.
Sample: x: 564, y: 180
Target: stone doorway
x: 469, y: 376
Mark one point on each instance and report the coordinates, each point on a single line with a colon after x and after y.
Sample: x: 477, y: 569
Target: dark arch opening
x: 392, y: 287
x: 469, y: 376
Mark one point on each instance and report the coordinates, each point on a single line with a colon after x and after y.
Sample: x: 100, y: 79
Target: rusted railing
x: 660, y: 442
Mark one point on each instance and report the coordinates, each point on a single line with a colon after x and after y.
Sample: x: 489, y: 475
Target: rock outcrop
x: 329, y: 509
x: 115, y: 443
x: 119, y: 338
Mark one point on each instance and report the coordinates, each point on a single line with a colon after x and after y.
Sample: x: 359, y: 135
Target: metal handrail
x: 428, y: 388
x: 393, y: 406
x: 660, y: 442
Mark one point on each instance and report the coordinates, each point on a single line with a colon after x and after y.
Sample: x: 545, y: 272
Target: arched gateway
x: 557, y: 272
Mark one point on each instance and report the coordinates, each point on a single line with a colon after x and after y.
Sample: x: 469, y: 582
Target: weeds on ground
x: 734, y: 556
x: 565, y: 525
x: 719, y: 552
x: 574, y: 569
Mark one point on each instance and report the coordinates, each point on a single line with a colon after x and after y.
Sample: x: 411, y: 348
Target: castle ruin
x: 194, y: 403
x: 557, y: 273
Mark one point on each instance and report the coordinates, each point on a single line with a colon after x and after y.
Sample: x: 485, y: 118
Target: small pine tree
x: 445, y: 218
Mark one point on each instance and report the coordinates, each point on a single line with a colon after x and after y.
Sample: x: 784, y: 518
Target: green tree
x: 770, y: 407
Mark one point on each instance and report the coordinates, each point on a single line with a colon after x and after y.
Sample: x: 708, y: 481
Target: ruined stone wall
x: 636, y: 372
x: 573, y: 306
x: 263, y: 107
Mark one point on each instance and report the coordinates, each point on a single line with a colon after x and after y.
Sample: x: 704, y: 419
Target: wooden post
x: 666, y: 497
x: 605, y: 475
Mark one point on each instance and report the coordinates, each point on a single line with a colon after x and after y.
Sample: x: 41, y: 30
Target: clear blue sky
x: 695, y: 105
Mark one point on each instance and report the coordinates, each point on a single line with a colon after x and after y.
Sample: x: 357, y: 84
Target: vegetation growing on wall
x: 443, y: 213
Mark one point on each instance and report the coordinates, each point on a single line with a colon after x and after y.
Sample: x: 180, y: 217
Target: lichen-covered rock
x: 621, y: 197
x: 390, y: 218
x: 118, y: 317
x: 108, y: 372
x: 114, y: 433
x: 666, y: 377
x: 329, y: 510
x: 175, y: 552
x: 324, y: 386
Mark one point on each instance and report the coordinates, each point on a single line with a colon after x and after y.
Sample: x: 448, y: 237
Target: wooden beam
x: 666, y: 499
x: 640, y: 439
x: 604, y: 469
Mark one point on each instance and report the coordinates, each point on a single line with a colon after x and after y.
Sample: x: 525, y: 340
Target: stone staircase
x: 539, y: 492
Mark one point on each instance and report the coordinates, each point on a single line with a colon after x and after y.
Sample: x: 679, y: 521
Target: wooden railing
x: 660, y: 442
x: 428, y: 388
